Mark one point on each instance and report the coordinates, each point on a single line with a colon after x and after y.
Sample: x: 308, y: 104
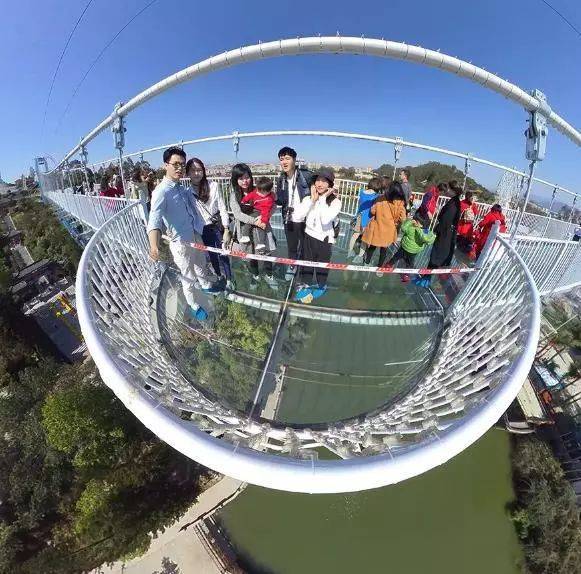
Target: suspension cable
x: 96, y: 60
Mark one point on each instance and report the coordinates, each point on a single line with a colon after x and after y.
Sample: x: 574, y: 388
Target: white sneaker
x: 245, y: 239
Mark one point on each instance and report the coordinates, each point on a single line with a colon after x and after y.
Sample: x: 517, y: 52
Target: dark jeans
x: 319, y: 251
x: 252, y: 231
x: 409, y: 258
x: 371, y: 250
x: 212, y: 237
x: 295, y: 237
x: 256, y: 234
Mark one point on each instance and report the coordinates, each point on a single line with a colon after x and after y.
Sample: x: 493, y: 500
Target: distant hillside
x: 434, y: 172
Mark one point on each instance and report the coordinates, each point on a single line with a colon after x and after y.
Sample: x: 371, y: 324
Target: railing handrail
x: 327, y: 133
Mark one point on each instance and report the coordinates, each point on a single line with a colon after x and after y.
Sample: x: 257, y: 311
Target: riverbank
x: 180, y: 544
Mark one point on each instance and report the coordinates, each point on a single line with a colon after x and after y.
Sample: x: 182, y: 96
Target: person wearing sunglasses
x: 173, y: 208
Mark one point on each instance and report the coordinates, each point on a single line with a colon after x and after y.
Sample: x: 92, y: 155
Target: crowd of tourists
x: 310, y: 206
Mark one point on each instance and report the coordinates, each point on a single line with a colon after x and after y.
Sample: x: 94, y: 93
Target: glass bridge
x: 365, y: 344
x: 376, y: 382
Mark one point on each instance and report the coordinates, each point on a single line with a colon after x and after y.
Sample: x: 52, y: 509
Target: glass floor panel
x: 360, y: 347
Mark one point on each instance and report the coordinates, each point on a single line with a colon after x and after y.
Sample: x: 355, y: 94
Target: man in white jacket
x: 320, y: 210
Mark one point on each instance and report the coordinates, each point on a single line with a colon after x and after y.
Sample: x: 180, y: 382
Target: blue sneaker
x: 424, y: 282
x: 317, y: 291
x: 214, y: 289
x: 199, y: 314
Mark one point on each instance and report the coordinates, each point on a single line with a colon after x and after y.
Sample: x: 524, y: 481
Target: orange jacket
x: 381, y: 231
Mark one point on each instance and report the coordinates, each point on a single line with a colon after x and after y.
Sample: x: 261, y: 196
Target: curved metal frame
x: 456, y: 386
x: 337, y: 45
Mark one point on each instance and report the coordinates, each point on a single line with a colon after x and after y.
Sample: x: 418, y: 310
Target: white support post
x: 118, y: 128
x: 569, y: 223
x: 397, y: 149
x: 550, y: 211
x: 517, y: 221
x: 467, y: 166
x: 236, y: 143
x: 84, y: 159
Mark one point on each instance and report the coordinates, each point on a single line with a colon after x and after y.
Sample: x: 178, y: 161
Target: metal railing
x: 91, y: 210
x: 554, y: 263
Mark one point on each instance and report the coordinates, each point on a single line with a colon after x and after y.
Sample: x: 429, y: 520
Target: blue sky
x: 521, y: 40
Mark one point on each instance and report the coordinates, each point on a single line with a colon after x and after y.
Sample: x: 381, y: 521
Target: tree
x: 87, y: 423
x: 5, y: 275
x: 433, y: 172
x: 385, y: 169
x: 82, y: 482
x: 347, y: 173
x: 545, y: 515
x: 45, y: 237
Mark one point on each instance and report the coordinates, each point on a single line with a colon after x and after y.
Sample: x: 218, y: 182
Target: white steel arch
x: 338, y: 45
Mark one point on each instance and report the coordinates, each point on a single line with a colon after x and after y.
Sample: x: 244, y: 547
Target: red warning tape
x: 336, y: 266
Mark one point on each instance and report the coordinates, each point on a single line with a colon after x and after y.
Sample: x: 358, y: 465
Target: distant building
x: 55, y: 312
x: 35, y: 279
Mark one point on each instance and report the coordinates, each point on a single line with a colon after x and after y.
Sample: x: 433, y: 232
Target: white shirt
x: 214, y: 206
x: 294, y: 198
x: 319, y: 217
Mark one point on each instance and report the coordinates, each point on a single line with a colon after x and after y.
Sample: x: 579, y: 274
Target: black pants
x: 315, y: 250
x: 371, y: 250
x: 409, y: 258
x: 295, y: 237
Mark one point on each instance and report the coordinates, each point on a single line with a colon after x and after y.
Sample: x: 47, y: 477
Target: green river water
x: 451, y: 520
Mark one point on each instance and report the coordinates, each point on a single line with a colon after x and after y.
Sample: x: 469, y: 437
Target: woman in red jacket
x: 485, y: 226
x: 468, y: 212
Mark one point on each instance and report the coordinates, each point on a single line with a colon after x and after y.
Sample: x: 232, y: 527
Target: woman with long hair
x: 106, y: 189
x: 138, y: 185
x: 242, y: 183
x: 212, y: 209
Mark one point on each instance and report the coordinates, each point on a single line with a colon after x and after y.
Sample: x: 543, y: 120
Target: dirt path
x: 179, y: 545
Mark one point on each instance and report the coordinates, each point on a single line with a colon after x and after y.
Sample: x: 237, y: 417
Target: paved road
x: 179, y: 543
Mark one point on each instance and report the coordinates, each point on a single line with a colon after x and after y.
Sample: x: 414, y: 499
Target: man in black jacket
x: 292, y: 185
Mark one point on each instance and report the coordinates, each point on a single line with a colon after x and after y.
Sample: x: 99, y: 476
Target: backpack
x: 337, y: 223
